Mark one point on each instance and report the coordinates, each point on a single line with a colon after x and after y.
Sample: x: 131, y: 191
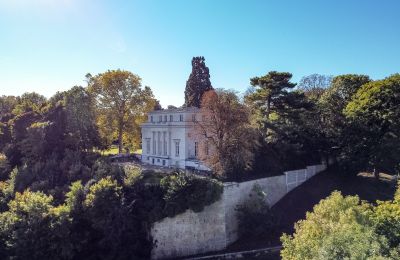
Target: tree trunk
x: 120, y: 128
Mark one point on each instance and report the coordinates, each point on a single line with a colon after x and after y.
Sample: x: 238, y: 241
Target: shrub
x: 186, y: 191
x: 254, y: 215
x: 32, y: 228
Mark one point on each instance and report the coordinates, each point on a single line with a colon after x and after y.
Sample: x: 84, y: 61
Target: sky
x: 49, y: 45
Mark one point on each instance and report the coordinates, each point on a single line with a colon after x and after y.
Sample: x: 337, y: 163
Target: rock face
x: 216, y: 226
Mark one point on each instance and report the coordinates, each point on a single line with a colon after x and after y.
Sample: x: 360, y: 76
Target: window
x: 196, y: 148
x: 159, y: 118
x: 165, y: 143
x: 177, y: 148
x: 165, y: 118
x: 181, y: 118
x: 171, y: 118
x: 154, y: 143
x: 148, y: 145
x: 151, y: 119
x: 159, y: 143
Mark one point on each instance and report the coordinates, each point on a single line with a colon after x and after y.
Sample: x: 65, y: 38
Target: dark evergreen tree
x: 198, y: 83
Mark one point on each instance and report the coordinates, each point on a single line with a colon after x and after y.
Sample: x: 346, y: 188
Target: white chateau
x: 168, y: 139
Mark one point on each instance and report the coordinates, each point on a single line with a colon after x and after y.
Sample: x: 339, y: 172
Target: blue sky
x: 49, y: 45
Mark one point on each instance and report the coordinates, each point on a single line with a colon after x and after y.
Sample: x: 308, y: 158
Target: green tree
x: 338, y: 228
x: 7, y: 105
x: 198, y: 83
x: 32, y: 228
x: 269, y: 94
x: 81, y: 119
x: 282, y: 116
x: 374, y: 114
x: 29, y: 102
x: 121, y: 103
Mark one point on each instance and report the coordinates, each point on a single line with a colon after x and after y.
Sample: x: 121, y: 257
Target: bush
x: 254, y: 216
x: 186, y: 191
x: 30, y: 229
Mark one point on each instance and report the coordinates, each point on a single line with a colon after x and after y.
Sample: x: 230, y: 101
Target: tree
x: 374, y: 113
x: 314, y: 85
x: 225, y: 132
x: 335, y: 98
x: 29, y: 102
x: 281, y: 115
x: 81, y: 119
x: 33, y: 228
x: 198, y: 83
x: 121, y: 102
x: 7, y: 105
x: 338, y: 228
x: 269, y: 94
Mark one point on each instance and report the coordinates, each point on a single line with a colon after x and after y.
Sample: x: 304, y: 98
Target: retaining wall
x: 216, y: 226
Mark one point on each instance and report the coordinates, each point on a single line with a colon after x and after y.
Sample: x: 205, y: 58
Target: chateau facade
x: 168, y: 139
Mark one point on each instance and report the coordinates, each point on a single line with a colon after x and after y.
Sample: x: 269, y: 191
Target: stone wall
x: 216, y: 226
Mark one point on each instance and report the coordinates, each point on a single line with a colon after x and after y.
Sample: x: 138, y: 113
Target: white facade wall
x: 165, y: 129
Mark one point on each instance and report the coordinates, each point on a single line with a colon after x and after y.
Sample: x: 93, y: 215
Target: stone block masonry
x: 216, y: 226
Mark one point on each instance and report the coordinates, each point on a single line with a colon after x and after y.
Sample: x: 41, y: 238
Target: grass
x: 113, y: 150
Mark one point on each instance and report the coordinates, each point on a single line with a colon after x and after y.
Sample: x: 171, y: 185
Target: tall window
x: 196, y: 149
x: 165, y: 118
x: 148, y: 145
x: 177, y: 148
x: 171, y: 118
x: 154, y: 144
x: 165, y: 143
x: 151, y: 119
x: 181, y: 118
x: 159, y: 143
x: 159, y: 118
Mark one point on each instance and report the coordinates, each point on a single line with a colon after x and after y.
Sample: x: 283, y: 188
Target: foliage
x: 7, y: 105
x: 29, y: 102
x: 314, y: 85
x: 81, y: 118
x: 228, y: 141
x: 268, y: 95
x: 373, y: 112
x: 122, y: 104
x: 30, y: 229
x: 254, y: 215
x: 284, y: 119
x: 185, y: 191
x: 338, y: 228
x: 198, y: 83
